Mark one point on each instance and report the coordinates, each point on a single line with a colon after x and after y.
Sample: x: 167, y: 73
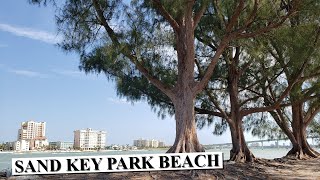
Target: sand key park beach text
x: 117, y: 163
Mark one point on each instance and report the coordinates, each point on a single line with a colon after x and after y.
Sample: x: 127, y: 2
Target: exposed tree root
x: 300, y: 153
x: 184, y: 146
x: 242, y: 156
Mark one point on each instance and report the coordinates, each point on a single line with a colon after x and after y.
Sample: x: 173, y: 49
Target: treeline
x: 244, y: 65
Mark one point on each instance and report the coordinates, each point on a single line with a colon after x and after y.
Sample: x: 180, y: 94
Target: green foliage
x: 294, y: 49
x: 314, y: 128
x: 141, y: 31
x: 263, y: 127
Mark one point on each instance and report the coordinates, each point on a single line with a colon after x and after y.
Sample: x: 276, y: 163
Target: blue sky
x: 38, y: 81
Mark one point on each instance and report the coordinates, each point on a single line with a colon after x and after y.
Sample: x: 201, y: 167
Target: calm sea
x: 5, y: 157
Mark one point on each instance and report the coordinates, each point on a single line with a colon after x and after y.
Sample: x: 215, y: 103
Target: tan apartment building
x: 32, y: 130
x: 34, y: 133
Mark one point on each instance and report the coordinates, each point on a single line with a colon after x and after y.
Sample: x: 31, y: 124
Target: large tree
x: 239, y: 87
x: 295, y: 47
x: 149, y: 37
x: 250, y: 72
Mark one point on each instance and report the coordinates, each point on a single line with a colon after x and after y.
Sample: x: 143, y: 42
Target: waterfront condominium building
x: 141, y: 143
x: 154, y: 143
x: 89, y: 139
x: 148, y: 143
x: 34, y: 133
x: 32, y: 130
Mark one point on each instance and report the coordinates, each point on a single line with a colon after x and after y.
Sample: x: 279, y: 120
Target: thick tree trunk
x: 183, y: 100
x: 300, y: 147
x: 240, y: 151
x: 302, y: 150
x: 186, y: 135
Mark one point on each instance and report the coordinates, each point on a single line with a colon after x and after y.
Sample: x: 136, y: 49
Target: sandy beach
x: 282, y: 168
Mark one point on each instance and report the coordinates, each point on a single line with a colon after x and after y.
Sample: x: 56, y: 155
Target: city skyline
x: 39, y: 81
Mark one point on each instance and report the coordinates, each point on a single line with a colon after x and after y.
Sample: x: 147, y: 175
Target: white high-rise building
x: 154, y: 143
x: 89, y: 139
x: 34, y: 133
x: 32, y: 130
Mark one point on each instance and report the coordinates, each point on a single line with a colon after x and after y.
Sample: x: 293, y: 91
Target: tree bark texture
x: 186, y: 133
x: 300, y: 146
x: 240, y: 151
x: 184, y: 94
x: 299, y: 123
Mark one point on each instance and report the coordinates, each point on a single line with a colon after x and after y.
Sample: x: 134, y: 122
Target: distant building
x: 141, y: 143
x: 161, y: 144
x: 32, y: 130
x: 53, y: 145
x: 145, y: 143
x: 65, y: 145
x: 89, y: 139
x: 154, y: 143
x: 137, y: 143
x: 148, y: 143
x: 34, y: 133
x: 60, y: 145
x: 38, y: 143
x: 21, y: 145
x: 9, y: 146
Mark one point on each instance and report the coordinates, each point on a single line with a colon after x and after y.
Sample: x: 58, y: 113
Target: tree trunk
x: 186, y: 135
x: 240, y: 151
x: 300, y: 148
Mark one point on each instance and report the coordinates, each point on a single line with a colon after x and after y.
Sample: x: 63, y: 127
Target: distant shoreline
x: 119, y: 150
x: 75, y: 151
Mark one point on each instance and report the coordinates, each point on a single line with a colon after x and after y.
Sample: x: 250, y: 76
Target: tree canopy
x: 182, y: 55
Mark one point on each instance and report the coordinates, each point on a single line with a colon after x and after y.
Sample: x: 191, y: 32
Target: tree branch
x: 235, y: 35
x: 126, y: 52
x: 276, y: 104
x: 197, y: 17
x: 253, y: 14
x: 235, y: 16
x: 249, y: 99
x: 166, y: 15
x: 209, y: 71
x: 308, y: 120
x: 271, y: 25
x: 205, y: 111
x: 212, y: 99
x: 218, y: 11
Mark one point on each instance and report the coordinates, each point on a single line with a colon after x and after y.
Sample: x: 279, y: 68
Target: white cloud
x: 71, y: 73
x: 28, y: 73
x: 74, y: 74
x: 68, y: 72
x: 35, y: 34
x: 122, y: 101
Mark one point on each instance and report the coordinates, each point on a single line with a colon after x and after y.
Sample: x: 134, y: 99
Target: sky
x: 40, y: 82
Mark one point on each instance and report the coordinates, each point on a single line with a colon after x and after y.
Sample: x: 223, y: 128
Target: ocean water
x: 5, y: 157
